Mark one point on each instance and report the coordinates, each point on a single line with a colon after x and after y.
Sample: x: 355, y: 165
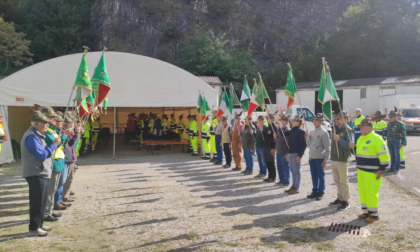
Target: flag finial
x: 323, y: 60
x: 104, y: 49
x: 288, y: 63
x: 86, y: 48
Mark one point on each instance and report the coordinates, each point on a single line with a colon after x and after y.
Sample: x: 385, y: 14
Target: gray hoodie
x: 319, y: 145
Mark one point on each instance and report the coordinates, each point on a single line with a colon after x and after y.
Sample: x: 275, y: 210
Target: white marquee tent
x: 137, y: 81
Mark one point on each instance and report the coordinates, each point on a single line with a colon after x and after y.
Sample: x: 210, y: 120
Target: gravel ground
x: 174, y: 202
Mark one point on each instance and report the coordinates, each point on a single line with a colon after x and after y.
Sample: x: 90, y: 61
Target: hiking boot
x: 50, y: 218
x: 38, y: 232
x: 371, y: 219
x: 313, y: 195
x: 336, y: 202
x: 268, y: 180
x: 293, y: 191
x: 363, y: 216
x: 343, y: 206
x: 282, y: 185
x: 226, y: 166
x: 218, y: 163
x: 206, y: 158
x: 260, y: 176
x: 46, y: 228
x: 247, y: 172
x: 236, y: 169
x: 213, y: 160
x: 288, y: 190
x: 319, y: 196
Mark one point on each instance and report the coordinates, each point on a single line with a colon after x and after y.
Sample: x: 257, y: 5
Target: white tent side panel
x: 136, y: 81
x: 6, y: 154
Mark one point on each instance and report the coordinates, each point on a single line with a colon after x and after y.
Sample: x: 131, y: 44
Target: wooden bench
x: 150, y: 144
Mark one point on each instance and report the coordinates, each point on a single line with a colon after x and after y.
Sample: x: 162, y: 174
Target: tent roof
x: 136, y: 81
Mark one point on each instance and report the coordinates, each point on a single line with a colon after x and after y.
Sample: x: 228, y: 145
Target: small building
x: 355, y: 93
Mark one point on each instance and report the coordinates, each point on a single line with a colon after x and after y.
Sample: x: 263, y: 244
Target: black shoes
x: 312, y: 195
x: 57, y: 215
x: 336, y: 202
x: 269, y: 180
x: 226, y: 166
x: 344, y: 206
x: 218, y: 163
x: 319, y: 196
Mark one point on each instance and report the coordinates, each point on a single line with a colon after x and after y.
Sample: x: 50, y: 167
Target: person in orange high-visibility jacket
x: 372, y: 158
x: 3, y: 136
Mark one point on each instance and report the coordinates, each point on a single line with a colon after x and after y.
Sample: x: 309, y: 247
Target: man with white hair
x: 36, y: 169
x: 356, y: 128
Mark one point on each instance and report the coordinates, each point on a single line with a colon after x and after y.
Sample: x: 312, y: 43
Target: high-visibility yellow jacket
x: 2, y: 134
x: 205, y: 131
x: 357, y: 122
x: 96, y: 126
x: 173, y: 125
x: 380, y: 128
x: 372, y: 153
x: 193, y: 129
x: 180, y: 126
x: 164, y: 125
x: 59, y: 152
x: 86, y: 134
x: 151, y: 124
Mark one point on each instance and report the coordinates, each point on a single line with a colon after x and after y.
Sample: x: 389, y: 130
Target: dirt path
x: 174, y: 202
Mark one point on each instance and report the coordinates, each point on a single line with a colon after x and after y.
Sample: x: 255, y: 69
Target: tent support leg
x: 115, y: 128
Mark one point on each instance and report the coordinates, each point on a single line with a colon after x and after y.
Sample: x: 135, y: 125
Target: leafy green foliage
x: 373, y: 39
x: 220, y: 7
x: 55, y: 27
x: 14, y: 49
x: 207, y: 54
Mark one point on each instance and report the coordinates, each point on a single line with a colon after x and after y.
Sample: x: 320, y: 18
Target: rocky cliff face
x: 156, y: 28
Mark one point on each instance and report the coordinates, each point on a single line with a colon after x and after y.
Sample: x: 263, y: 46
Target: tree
x: 204, y: 53
x: 14, y: 49
x: 376, y: 38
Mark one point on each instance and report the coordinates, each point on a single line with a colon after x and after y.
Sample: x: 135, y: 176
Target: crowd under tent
x: 139, y: 84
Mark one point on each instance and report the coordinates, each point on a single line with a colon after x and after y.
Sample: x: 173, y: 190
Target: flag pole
x: 269, y: 118
x: 341, y: 112
x: 324, y: 64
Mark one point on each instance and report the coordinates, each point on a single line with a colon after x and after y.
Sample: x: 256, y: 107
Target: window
x: 307, y: 114
x: 363, y: 93
x: 411, y: 113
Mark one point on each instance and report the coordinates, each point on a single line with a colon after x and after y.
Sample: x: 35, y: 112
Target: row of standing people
x: 49, y: 155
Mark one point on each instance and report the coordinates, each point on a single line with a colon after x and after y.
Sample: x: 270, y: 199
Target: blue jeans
x: 219, y: 148
x: 249, y: 159
x: 394, y: 152
x: 295, y: 168
x: 283, y: 168
x: 318, y: 175
x: 261, y: 160
x: 58, y: 196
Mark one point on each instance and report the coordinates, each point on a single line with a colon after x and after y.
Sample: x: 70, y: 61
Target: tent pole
x: 115, y: 121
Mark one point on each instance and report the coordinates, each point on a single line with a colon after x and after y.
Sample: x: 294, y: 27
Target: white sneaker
x: 38, y: 232
x: 46, y: 228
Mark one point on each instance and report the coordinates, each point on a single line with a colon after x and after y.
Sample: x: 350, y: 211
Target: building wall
x: 351, y: 100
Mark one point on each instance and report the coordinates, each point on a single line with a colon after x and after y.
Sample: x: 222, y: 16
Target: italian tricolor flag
x: 257, y: 98
x: 246, y: 94
x: 223, y: 106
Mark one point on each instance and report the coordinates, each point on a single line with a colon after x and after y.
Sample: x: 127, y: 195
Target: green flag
x: 261, y: 94
x: 233, y: 99
x: 100, y: 81
x: 199, y: 103
x: 290, y: 89
x: 246, y: 95
x: 205, y: 108
x: 83, y: 79
x: 327, y: 93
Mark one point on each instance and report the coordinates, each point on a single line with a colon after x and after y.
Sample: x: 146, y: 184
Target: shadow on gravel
x: 301, y: 235
x: 8, y: 224
x: 125, y: 212
x: 142, y: 201
x: 129, y: 196
x: 142, y: 223
x: 14, y: 205
x: 4, y: 238
x: 131, y: 181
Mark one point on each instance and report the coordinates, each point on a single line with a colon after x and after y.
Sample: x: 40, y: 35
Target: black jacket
x: 269, y: 140
x: 297, y: 141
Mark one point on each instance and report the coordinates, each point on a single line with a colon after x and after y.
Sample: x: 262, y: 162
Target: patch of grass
x: 231, y: 244
x: 111, y: 232
x: 399, y: 237
x: 275, y: 245
x: 192, y: 235
x: 141, y: 232
x: 324, y: 246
